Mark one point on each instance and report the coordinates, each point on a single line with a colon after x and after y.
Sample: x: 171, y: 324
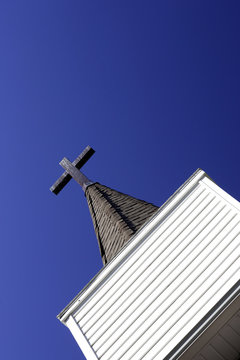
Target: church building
x: 170, y: 284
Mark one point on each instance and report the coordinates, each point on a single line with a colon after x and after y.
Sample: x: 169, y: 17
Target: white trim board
x: 81, y: 339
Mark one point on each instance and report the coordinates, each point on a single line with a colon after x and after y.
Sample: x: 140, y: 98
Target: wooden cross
x: 72, y: 171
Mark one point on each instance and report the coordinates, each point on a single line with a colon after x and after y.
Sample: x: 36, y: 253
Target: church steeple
x: 116, y: 216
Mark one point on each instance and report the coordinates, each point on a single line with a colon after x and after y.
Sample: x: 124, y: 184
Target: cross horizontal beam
x: 77, y: 163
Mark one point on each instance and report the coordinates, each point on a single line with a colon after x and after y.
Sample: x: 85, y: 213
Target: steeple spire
x: 116, y: 216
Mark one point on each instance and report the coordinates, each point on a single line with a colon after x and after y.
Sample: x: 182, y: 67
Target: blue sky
x: 152, y: 86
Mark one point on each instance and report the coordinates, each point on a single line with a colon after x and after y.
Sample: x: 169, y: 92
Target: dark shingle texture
x: 116, y: 217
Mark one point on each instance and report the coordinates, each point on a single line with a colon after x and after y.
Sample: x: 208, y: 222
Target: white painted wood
x: 155, y: 325
x: 163, y: 289
x: 228, y: 198
x: 166, y: 280
x: 132, y: 267
x: 148, y: 271
x: 80, y: 339
x: 202, y: 306
x: 176, y: 264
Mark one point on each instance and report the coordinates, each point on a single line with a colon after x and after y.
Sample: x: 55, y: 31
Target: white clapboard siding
x: 172, y: 273
x: 157, y: 288
x: 144, y: 254
x: 148, y: 271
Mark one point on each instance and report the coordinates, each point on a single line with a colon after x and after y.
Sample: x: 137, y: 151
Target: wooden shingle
x: 116, y: 217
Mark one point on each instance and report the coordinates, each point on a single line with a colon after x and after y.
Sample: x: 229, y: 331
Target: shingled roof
x: 116, y: 217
